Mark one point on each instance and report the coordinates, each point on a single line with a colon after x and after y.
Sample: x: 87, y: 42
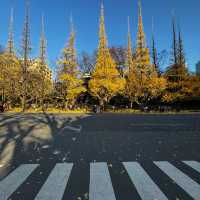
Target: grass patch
x: 132, y: 111
x: 50, y: 110
x: 87, y: 111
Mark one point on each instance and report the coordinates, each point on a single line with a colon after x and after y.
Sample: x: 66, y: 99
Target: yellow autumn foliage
x: 69, y: 75
x: 105, y: 82
x: 10, y: 72
x: 143, y: 82
x: 73, y: 86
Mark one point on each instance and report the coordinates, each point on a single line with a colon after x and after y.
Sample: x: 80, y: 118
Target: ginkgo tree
x: 10, y: 73
x: 143, y: 81
x: 105, y: 82
x: 69, y: 74
x: 131, y: 76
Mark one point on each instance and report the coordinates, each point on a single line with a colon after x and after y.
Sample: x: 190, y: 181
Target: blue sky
x: 86, y: 17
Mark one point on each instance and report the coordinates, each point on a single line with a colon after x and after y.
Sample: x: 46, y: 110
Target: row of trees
x: 129, y: 74
x: 24, y: 80
x: 136, y: 74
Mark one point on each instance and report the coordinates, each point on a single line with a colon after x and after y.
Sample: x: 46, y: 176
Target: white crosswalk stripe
x: 54, y: 187
x: 100, y: 183
x: 145, y: 186
x: 194, y: 164
x: 185, y: 182
x: 14, y: 180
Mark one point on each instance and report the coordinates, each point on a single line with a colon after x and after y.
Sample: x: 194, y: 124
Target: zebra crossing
x: 58, y: 179
x: 101, y: 185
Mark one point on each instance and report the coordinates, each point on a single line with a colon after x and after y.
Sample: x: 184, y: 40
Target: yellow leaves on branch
x: 106, y: 81
x: 67, y: 78
x: 10, y: 71
x: 156, y: 86
x: 180, y: 84
x: 73, y: 85
x: 143, y: 83
x: 182, y: 87
x: 69, y: 73
x: 105, y: 88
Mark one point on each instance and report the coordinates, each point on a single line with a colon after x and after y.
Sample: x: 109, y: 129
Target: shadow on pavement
x: 50, y: 138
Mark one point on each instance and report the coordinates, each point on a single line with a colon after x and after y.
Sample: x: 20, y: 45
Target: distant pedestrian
x: 113, y: 108
x: 99, y: 109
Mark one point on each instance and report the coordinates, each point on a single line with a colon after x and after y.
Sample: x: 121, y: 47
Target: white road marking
x: 100, y: 187
x: 194, y: 164
x: 54, y: 187
x: 10, y: 184
x: 145, y: 186
x: 78, y: 130
x: 100, y: 183
x: 185, y: 182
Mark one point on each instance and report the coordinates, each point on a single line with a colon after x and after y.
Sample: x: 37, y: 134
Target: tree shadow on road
x: 50, y: 138
x: 34, y: 138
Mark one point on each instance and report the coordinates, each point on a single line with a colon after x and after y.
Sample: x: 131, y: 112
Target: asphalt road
x: 99, y: 157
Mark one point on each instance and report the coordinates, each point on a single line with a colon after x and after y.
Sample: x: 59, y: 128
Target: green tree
x: 180, y: 51
x: 155, y: 60
x: 177, y: 74
x: 174, y: 58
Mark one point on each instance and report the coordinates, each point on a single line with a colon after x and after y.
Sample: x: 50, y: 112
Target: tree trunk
x: 24, y: 92
x: 42, y: 103
x: 3, y: 96
x: 102, y: 105
x: 23, y: 103
x: 131, y: 105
